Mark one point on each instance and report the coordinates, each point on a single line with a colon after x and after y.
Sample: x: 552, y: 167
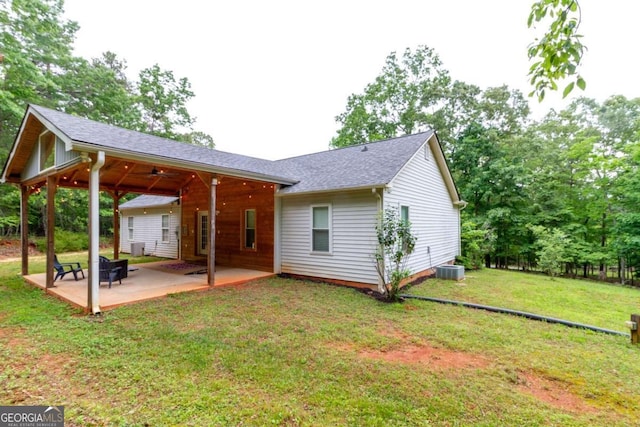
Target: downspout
x: 94, y: 233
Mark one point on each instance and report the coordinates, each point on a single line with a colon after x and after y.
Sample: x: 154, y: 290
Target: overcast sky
x: 270, y: 76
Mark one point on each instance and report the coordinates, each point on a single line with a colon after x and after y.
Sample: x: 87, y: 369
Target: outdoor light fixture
x: 85, y: 157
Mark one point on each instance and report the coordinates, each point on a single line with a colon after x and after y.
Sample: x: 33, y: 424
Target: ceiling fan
x: 159, y: 173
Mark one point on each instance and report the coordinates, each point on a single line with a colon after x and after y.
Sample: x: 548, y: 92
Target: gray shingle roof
x: 148, y: 201
x: 368, y: 165
x: 88, y: 131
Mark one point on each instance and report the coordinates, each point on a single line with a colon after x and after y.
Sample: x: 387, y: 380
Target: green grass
x: 286, y: 352
x: 592, y: 303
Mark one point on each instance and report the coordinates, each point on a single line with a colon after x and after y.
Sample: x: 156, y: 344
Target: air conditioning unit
x: 451, y: 272
x: 137, y: 248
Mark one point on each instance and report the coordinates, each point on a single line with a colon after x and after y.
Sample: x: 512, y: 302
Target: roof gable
x: 148, y: 201
x: 370, y: 165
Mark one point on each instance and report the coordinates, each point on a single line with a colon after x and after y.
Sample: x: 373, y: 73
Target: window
x: 47, y: 156
x: 130, y: 224
x: 165, y: 228
x: 250, y: 229
x: 321, y: 229
x: 404, y: 213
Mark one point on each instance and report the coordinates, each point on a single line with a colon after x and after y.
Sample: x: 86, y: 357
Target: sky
x: 269, y: 77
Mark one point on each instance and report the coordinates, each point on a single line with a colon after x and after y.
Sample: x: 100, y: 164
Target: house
x: 311, y: 215
x: 151, y: 223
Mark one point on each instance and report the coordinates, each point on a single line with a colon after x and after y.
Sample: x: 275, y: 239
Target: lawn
x: 287, y: 352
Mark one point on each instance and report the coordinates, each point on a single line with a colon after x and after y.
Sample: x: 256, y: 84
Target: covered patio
x: 146, y: 281
x: 227, y: 201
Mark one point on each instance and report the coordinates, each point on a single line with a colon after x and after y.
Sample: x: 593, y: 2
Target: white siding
x: 434, y: 219
x: 353, y: 220
x: 148, y: 229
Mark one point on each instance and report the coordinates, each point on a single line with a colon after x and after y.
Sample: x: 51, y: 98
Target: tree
x: 100, y: 90
x: 551, y: 249
x: 395, y: 243
x: 35, y: 44
x: 163, y: 102
x: 198, y: 138
x: 557, y: 54
x: 401, y: 100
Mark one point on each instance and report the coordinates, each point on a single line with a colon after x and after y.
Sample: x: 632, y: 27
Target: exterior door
x: 203, y: 233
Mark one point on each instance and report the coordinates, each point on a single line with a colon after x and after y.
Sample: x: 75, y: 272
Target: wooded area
x: 558, y: 194
x: 37, y: 66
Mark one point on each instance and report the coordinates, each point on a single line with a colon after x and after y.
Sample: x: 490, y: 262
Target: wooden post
x: 51, y: 228
x: 635, y: 320
x: 211, y: 259
x: 116, y: 196
x: 24, y: 228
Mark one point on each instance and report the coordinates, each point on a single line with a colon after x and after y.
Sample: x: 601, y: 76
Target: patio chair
x: 62, y: 268
x: 113, y: 270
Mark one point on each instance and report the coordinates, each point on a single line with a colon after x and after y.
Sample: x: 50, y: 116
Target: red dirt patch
x: 553, y: 392
x: 10, y: 249
x: 439, y: 358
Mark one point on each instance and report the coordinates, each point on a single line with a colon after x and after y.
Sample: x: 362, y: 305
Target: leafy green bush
x: 65, y: 241
x: 477, y: 241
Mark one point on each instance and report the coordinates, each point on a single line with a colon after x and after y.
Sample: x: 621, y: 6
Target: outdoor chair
x: 113, y: 270
x: 62, y: 268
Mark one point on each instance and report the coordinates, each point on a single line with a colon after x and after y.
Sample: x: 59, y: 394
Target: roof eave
x: 332, y: 190
x: 183, y: 164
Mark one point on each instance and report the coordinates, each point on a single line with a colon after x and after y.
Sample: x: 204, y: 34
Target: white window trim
x: 408, y: 212
x: 130, y: 224
x: 330, y: 221
x: 41, y: 142
x: 162, y: 228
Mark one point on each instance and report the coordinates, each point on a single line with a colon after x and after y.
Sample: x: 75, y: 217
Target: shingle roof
x: 374, y: 164
x: 148, y: 201
x: 368, y: 165
x: 88, y: 131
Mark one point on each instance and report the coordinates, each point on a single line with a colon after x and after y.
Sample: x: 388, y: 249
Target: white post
x: 211, y: 261
x: 277, y: 232
x: 94, y: 234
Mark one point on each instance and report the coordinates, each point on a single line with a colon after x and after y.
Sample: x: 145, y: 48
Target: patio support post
x: 116, y: 196
x: 277, y: 226
x: 211, y: 260
x: 93, y: 302
x: 24, y: 228
x: 51, y: 225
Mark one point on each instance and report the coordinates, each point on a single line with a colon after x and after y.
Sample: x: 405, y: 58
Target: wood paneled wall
x: 234, y: 196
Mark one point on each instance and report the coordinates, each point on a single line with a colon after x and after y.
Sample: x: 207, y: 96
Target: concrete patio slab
x: 144, y: 282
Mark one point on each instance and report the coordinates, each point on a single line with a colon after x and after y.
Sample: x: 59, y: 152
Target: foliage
x: 65, y: 241
x: 477, y: 241
x: 395, y: 243
x: 163, y: 102
x: 558, y: 52
x: 551, y: 251
x: 401, y: 100
x: 37, y: 66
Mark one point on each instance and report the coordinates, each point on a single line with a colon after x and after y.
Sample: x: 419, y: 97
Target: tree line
x: 558, y: 194
x: 37, y: 65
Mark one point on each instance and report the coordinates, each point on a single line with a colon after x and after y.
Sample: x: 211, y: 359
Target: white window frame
x: 165, y: 228
x: 402, y: 208
x: 329, y: 229
x: 130, y: 227
x: 43, y: 156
